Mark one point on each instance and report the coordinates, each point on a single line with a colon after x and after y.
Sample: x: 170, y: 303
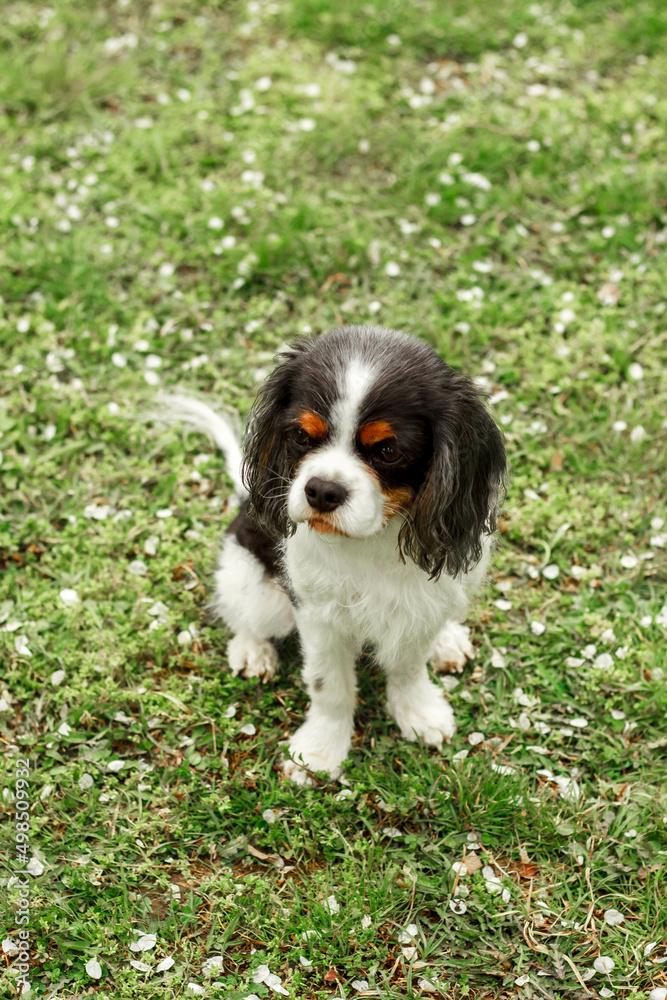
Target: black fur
x: 252, y: 537
x: 454, y: 458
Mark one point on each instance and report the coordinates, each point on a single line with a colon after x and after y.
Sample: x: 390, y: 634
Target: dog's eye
x: 389, y: 453
x: 300, y: 437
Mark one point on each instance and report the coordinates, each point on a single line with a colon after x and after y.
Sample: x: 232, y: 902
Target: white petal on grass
x: 151, y: 544
x: 85, y: 781
x: 408, y: 935
x: 637, y: 434
x: 604, y: 964
x: 629, y: 561
x: 57, y: 677
x: 502, y: 768
x: 613, y: 917
x: 69, y: 597
x: 475, y: 738
x: 118, y: 360
x: 196, y: 989
x: 578, y: 723
x: 551, y: 571
x: 468, y: 220
x: 603, y: 661
x: 93, y: 968
x: 164, y: 512
x: 248, y: 729
x: 140, y: 966
x: 64, y: 729
x: 332, y: 905
x: 158, y: 610
x: 212, y: 964
x: 137, y: 567
x: 151, y: 378
x: 659, y: 993
x: 307, y: 124
x: 457, y: 906
x: 144, y: 942
x: 537, y: 628
x: 115, y: 765
x: 360, y: 985
x: 392, y: 269
x: 608, y: 232
x: 165, y: 964
x: 10, y: 947
x: 497, y: 659
x: 215, y: 222
x: 35, y: 867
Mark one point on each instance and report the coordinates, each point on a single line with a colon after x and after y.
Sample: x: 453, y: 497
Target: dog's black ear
x: 465, y: 484
x: 268, y: 464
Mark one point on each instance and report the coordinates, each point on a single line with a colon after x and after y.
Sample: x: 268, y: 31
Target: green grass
x: 109, y: 180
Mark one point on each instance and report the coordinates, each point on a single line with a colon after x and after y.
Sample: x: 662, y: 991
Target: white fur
x: 184, y: 409
x: 362, y: 513
x: 255, y: 607
x: 452, y: 648
x: 357, y: 591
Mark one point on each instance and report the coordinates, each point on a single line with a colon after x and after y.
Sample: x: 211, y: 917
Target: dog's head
x: 364, y: 425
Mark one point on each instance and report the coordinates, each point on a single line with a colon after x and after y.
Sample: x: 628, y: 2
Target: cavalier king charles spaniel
x: 370, y: 490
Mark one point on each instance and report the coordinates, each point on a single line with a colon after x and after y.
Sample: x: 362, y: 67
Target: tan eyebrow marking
x: 312, y: 424
x: 377, y: 430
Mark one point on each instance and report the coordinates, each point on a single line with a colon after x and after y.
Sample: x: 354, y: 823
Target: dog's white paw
x: 317, y: 746
x: 429, y: 718
x: 252, y: 657
x: 451, y: 649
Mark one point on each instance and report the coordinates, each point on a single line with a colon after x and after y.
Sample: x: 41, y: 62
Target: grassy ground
x: 183, y: 188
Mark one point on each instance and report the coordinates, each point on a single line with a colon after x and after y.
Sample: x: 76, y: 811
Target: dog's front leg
x: 323, y: 741
x: 417, y: 704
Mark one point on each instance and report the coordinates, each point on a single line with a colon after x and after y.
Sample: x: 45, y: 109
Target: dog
x: 370, y: 491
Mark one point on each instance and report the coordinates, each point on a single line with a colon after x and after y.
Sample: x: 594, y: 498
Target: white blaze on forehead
x: 357, y: 380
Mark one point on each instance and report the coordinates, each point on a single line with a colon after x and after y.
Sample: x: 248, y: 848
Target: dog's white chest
x: 362, y: 586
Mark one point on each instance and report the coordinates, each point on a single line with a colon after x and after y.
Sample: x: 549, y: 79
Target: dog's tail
x: 198, y: 415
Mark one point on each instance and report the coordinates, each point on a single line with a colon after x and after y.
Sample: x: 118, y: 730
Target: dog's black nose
x: 324, y: 495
